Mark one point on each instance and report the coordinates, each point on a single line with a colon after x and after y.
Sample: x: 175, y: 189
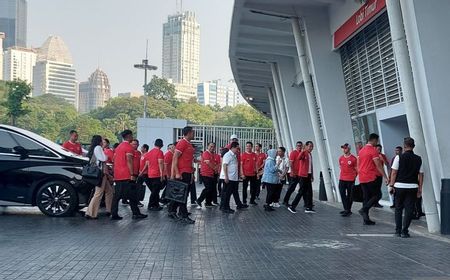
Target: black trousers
x: 278, y: 190
x: 228, y: 190
x: 293, y: 181
x: 245, y: 183
x: 371, y: 194
x: 305, y: 192
x: 125, y: 190
x: 155, y: 185
x: 141, y: 188
x: 193, y: 192
x: 405, y: 199
x: 346, y: 191
x: 181, y: 207
x: 207, y: 193
x: 271, y: 193
x: 257, y: 186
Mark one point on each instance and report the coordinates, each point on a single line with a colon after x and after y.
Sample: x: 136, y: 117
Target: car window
x: 7, y: 143
x: 33, y: 148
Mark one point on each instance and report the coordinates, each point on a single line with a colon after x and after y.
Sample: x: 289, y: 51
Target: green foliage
x: 86, y: 126
x: 160, y: 89
x: 18, y: 92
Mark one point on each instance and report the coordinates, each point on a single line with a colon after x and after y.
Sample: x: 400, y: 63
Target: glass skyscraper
x: 13, y: 22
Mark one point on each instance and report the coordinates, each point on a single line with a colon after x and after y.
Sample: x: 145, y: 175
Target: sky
x: 111, y: 34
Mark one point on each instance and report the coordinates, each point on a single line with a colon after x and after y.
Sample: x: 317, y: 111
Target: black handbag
x: 357, y: 194
x: 92, y: 173
x: 177, y: 191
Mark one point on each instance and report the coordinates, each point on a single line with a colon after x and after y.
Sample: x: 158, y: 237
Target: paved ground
x: 251, y: 244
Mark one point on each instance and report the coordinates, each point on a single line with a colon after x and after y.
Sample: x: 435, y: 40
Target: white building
x: 130, y: 94
x: 207, y: 93
x: 336, y: 71
x: 2, y: 36
x: 18, y: 63
x: 181, y: 53
x: 218, y: 93
x: 54, y: 72
x: 94, y: 93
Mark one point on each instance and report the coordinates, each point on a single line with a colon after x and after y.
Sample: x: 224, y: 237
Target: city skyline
x: 117, y: 54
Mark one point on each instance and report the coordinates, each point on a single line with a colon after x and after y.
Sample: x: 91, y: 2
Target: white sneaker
x: 276, y: 205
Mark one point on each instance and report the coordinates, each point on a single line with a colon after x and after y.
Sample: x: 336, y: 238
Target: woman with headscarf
x: 271, y: 178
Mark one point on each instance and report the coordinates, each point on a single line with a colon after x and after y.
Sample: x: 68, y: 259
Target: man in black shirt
x: 406, y: 184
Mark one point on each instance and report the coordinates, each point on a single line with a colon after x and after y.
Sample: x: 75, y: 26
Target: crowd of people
x: 126, y: 172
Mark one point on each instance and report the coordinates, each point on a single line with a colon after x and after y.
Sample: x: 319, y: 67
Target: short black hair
x: 308, y: 143
x: 234, y: 144
x: 73, y: 131
x: 187, y: 129
x: 223, y: 151
x: 125, y: 133
x: 168, y: 146
x: 115, y: 145
x: 373, y: 136
x: 106, y: 140
x: 379, y: 146
x: 409, y: 142
x: 249, y: 142
x: 135, y: 140
x: 145, y: 146
x: 258, y: 145
x: 299, y: 142
x: 399, y: 147
x: 282, y: 148
x: 159, y: 143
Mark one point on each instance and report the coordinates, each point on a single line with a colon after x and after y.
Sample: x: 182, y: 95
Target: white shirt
x: 99, y: 155
x: 399, y: 185
x: 284, y: 165
x: 231, y: 161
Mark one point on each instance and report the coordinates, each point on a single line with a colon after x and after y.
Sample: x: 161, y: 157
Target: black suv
x: 36, y: 171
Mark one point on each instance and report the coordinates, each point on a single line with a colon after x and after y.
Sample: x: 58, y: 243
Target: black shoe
x: 139, y: 216
x: 342, y: 212
x: 378, y: 205
x: 392, y: 206
x: 116, y: 218
x: 363, y: 214
x: 347, y: 213
x: 173, y: 216
x: 140, y: 204
x: 421, y: 214
x: 198, y: 203
x: 397, y: 234
x: 189, y: 213
x: 405, y: 235
x: 292, y: 210
x: 90, y: 218
x: 209, y: 205
x: 187, y: 220
x: 268, y: 208
x: 253, y: 203
x: 369, y: 222
x: 126, y: 202
x: 310, y: 210
x: 107, y: 214
x: 243, y: 206
x: 159, y: 208
x: 228, y: 211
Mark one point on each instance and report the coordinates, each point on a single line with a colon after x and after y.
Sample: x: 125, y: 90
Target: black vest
x: 409, y: 167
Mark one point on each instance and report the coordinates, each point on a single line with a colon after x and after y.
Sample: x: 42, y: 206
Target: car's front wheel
x: 57, y: 199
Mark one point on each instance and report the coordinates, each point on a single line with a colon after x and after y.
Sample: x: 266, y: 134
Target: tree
x: 196, y: 113
x: 18, y: 92
x: 160, y: 88
x: 86, y: 127
x: 244, y: 116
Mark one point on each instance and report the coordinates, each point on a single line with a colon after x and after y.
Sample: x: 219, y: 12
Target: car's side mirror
x: 21, y: 151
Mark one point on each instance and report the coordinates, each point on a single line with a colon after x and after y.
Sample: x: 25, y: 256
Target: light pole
x: 144, y: 65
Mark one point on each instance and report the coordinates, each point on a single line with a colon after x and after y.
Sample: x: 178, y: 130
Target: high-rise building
x: 94, y: 93
x: 54, y: 72
x: 18, y: 63
x: 129, y: 94
x: 207, y: 93
x: 2, y: 36
x: 13, y: 22
x: 219, y: 93
x: 181, y: 53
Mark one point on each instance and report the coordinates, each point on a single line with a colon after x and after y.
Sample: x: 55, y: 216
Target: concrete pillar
x: 279, y: 97
x: 411, y: 107
x: 310, y: 96
x: 274, y: 115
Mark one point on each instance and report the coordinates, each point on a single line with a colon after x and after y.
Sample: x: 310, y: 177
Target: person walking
x: 284, y: 167
x: 306, y: 175
x: 142, y: 178
x: 182, y: 169
x: 154, y: 165
x: 217, y: 189
x: 398, y: 151
x: 369, y: 166
x: 125, y: 181
x: 168, y: 157
x: 230, y: 176
x: 72, y: 144
x: 260, y: 159
x: 208, y: 168
x: 248, y: 173
x: 294, y: 179
x: 406, y: 184
x: 384, y: 162
x: 97, y: 155
x: 271, y: 178
x: 348, y: 172
x: 108, y: 151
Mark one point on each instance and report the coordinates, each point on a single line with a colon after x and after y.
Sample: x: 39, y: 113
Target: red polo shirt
x: 187, y: 156
x: 168, y: 157
x: 260, y: 158
x: 367, y: 169
x: 348, y: 167
x: 152, y: 157
x: 109, y: 154
x: 293, y: 156
x: 218, y: 161
x: 248, y: 161
x: 303, y: 164
x: 73, y: 147
x: 384, y: 161
x: 121, y: 170
x: 136, y: 161
x: 205, y: 169
x: 142, y: 164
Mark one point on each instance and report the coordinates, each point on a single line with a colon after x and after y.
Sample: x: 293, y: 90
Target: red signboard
x: 357, y: 20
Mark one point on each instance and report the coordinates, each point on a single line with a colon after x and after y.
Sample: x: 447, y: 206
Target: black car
x: 36, y: 171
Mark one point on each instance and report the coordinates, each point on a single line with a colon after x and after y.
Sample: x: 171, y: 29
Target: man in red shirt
x: 306, y: 177
x: 72, y: 144
x: 293, y: 177
x: 142, y: 178
x: 154, y: 166
x: 136, y: 167
x: 217, y: 190
x: 348, y: 165
x: 369, y: 166
x: 384, y: 162
x: 208, y: 170
x: 182, y: 169
x: 168, y: 157
x: 248, y: 173
x: 260, y: 160
x: 124, y: 179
